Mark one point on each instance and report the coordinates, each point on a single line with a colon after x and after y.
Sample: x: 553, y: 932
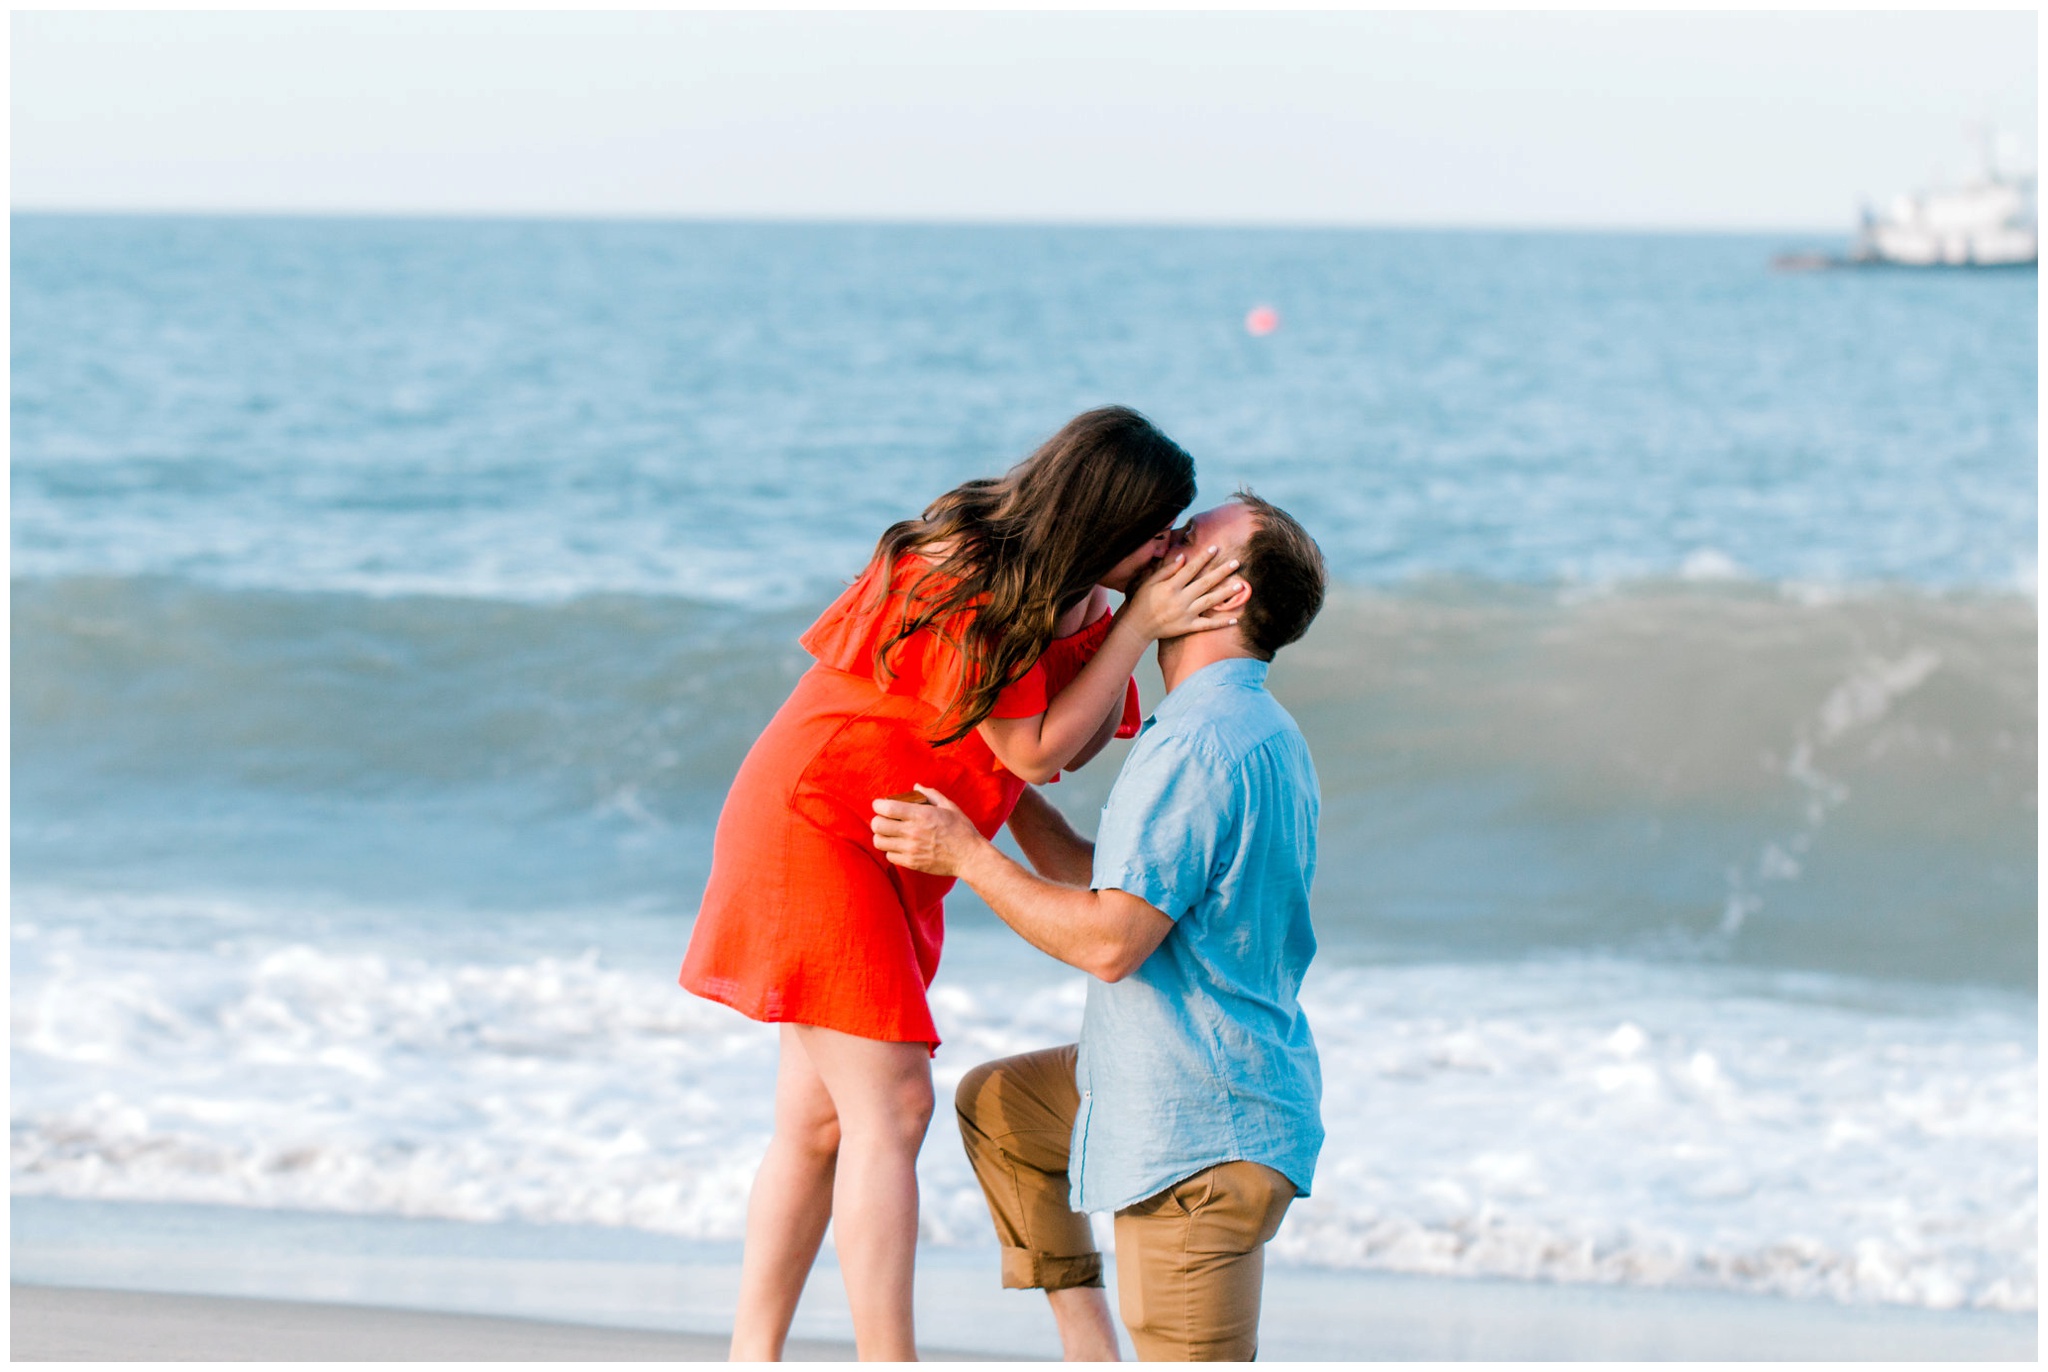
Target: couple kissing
x: 975, y: 658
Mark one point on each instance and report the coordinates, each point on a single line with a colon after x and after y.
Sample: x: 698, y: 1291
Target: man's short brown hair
x: 1285, y: 570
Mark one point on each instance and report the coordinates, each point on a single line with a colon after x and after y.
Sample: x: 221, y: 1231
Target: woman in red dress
x: 975, y: 655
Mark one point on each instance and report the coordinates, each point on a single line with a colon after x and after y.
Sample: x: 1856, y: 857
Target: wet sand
x: 121, y: 1281
x: 69, y: 1324
x: 1466, y: 1320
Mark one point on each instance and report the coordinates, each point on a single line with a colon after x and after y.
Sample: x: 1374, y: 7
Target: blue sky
x: 1726, y: 120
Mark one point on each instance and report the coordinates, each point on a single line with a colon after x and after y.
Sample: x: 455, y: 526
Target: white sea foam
x: 1571, y: 1121
x: 1607, y: 1122
x: 1709, y: 564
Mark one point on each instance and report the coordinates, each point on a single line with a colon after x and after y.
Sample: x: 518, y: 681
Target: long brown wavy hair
x: 1025, y: 547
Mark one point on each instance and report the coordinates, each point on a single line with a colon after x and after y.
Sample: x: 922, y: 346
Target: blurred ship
x: 1990, y: 222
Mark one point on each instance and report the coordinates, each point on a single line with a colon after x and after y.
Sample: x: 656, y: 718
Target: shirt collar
x: 1231, y: 671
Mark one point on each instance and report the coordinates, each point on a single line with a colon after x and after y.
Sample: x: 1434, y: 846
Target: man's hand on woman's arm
x: 1107, y: 934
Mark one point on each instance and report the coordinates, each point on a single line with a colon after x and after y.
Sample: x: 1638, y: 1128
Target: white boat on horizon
x: 1991, y: 221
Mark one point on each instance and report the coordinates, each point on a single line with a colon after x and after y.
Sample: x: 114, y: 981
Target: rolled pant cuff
x: 1026, y: 1270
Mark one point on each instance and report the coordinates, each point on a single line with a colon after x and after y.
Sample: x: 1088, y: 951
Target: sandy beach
x: 71, y: 1324
x: 121, y: 1282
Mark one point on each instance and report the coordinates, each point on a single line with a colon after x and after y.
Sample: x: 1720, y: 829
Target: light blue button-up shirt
x: 1202, y: 1055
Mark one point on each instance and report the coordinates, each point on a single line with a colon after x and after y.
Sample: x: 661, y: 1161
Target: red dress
x: 803, y: 920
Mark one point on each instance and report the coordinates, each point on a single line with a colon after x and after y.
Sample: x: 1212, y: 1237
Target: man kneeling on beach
x: 1190, y: 1107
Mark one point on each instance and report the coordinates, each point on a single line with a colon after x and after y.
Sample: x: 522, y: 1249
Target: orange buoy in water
x: 1262, y: 320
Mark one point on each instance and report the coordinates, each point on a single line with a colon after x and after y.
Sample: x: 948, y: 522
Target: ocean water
x: 392, y: 602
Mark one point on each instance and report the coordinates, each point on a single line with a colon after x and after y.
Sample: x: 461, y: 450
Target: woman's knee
x: 818, y: 1138
x: 805, y: 1117
x: 807, y: 1121
x: 895, y: 1117
x: 880, y: 1090
x: 913, y: 1104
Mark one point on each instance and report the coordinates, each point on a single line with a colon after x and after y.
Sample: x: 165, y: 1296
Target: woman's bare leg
x: 789, y: 1207
x: 882, y: 1093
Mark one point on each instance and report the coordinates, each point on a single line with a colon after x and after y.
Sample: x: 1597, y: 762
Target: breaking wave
x: 1580, y: 1120
x: 1717, y: 770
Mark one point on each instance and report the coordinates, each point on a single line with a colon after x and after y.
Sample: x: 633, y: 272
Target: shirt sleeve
x: 1171, y: 817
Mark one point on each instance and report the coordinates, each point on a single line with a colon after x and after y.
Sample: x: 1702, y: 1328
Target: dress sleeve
x: 1055, y: 670
x: 1134, y: 711
x: 927, y: 665
x: 1028, y: 695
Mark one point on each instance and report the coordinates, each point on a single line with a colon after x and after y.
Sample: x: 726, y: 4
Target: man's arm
x: 1107, y: 934
x: 1101, y: 740
x: 1096, y: 605
x: 1049, y: 841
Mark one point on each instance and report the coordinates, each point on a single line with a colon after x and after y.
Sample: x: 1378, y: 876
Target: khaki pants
x: 1190, y: 1260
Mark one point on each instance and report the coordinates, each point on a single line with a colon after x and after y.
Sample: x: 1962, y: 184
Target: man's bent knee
x: 1026, y: 1087
x: 968, y: 1095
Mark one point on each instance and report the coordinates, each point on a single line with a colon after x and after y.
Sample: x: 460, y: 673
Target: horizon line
x: 829, y: 220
